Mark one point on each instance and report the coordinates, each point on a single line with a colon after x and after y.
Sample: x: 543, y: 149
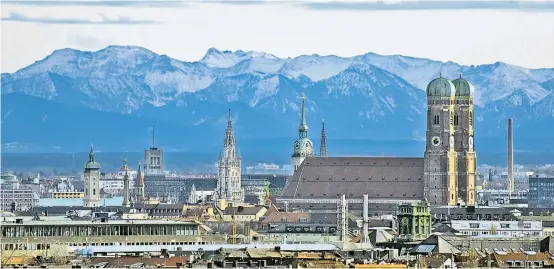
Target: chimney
x: 510, y: 158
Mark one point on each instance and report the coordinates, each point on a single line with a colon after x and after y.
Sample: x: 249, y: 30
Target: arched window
x: 456, y: 120
x: 93, y: 191
x: 436, y: 120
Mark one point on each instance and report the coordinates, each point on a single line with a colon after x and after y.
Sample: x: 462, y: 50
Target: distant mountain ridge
x: 369, y: 96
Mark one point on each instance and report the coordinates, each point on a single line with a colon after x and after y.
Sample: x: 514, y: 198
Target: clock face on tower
x: 435, y: 141
x: 296, y: 145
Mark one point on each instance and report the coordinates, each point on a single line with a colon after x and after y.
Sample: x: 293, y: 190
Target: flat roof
x: 69, y: 222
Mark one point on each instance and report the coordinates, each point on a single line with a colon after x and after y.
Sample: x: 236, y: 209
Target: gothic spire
x: 323, y: 146
x: 229, y: 134
x: 303, y: 128
x: 140, y: 180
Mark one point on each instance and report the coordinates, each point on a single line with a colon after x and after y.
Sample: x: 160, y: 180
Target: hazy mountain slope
x: 367, y: 97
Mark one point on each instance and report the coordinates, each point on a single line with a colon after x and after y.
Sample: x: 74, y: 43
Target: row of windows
x: 454, y: 120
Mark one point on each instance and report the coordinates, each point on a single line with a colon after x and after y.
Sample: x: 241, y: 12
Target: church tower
x: 139, y: 186
x: 440, y: 162
x: 323, y: 145
x: 92, y: 181
x: 229, y: 169
x: 463, y: 137
x: 303, y: 147
x: 126, y: 196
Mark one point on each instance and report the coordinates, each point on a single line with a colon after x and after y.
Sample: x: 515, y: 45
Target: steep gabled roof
x: 380, y: 177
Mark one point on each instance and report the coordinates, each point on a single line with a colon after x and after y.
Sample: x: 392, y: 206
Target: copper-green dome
x: 441, y: 87
x: 92, y: 164
x: 463, y: 87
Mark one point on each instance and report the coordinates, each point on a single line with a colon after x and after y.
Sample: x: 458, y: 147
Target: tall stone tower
x: 440, y: 174
x: 303, y: 146
x: 153, y: 159
x: 323, y: 145
x: 126, y: 191
x: 92, y: 181
x: 229, y: 172
x: 463, y: 137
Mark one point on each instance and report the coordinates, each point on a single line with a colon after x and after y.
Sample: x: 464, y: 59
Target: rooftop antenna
x: 153, y: 136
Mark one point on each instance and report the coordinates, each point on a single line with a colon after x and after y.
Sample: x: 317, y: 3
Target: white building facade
x: 484, y: 228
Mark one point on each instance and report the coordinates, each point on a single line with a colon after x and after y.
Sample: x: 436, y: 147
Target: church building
x: 444, y: 176
x: 229, y: 170
x: 92, y: 181
x: 303, y: 146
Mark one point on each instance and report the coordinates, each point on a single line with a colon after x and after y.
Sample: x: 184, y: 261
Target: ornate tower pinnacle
x: 323, y: 146
x: 229, y: 137
x: 303, y: 128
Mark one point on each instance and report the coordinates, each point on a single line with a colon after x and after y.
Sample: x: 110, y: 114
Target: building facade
x: 414, y: 221
x: 229, y: 169
x: 92, y: 181
x: 449, y: 168
x: 541, y: 192
x: 303, y: 146
x: 17, y: 199
x: 498, y: 228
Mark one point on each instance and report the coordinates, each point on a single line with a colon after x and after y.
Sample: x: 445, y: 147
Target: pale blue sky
x: 467, y: 32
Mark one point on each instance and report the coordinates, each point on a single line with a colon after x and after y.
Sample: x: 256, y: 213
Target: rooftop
x: 379, y: 177
x: 68, y: 222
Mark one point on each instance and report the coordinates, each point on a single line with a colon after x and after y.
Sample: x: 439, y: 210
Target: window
x: 526, y: 225
x: 436, y: 120
x: 474, y: 225
x: 505, y: 225
x: 303, y: 220
x: 456, y: 119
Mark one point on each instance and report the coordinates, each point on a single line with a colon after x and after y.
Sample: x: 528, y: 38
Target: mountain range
x: 113, y: 97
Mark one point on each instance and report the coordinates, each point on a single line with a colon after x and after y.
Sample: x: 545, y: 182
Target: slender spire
x: 140, y: 180
x: 303, y: 120
x: 323, y: 146
x: 230, y: 134
x: 153, y: 137
x: 229, y: 120
x: 303, y: 128
x: 126, y: 198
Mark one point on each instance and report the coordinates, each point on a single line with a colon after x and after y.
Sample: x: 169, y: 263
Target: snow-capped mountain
x: 368, y: 96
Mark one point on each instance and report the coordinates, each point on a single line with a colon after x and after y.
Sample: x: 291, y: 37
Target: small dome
x: 463, y: 87
x: 441, y: 87
x: 92, y: 164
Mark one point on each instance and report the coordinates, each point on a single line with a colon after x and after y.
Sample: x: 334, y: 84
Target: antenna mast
x: 153, y: 144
